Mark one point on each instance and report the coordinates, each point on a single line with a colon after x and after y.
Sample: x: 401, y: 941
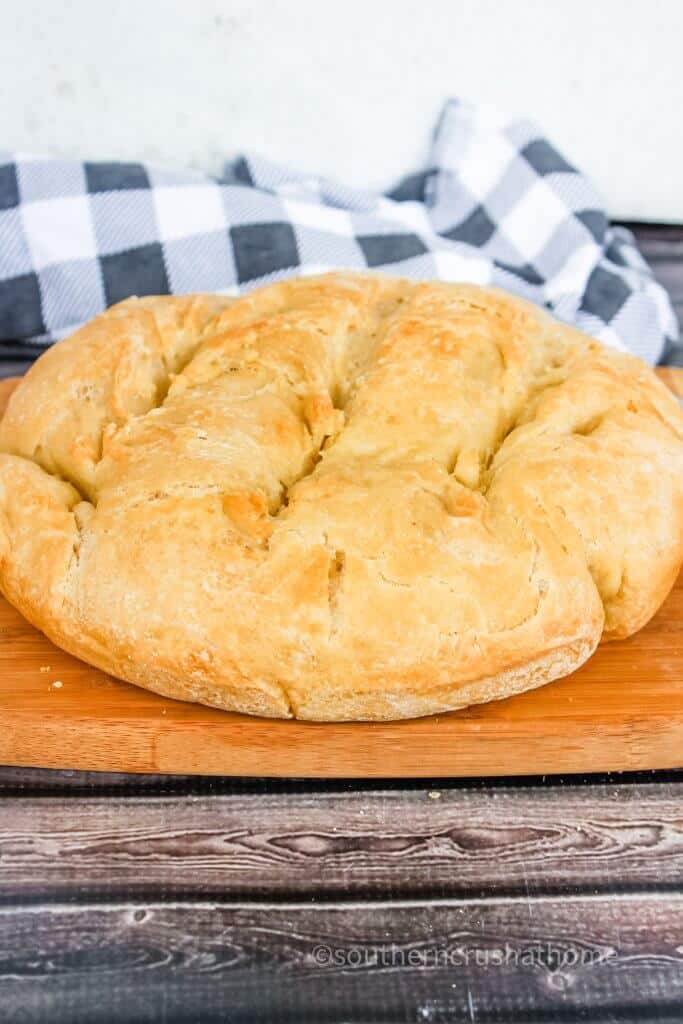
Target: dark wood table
x: 146, y: 898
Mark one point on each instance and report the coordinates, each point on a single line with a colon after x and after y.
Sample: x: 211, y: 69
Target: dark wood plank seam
x: 21, y: 782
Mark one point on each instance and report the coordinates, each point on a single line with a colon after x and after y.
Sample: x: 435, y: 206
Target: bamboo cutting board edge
x: 621, y: 711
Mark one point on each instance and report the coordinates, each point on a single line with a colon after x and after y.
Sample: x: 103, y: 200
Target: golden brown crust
x: 339, y: 497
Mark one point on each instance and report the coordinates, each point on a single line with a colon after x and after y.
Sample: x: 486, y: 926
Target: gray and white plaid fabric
x: 497, y: 204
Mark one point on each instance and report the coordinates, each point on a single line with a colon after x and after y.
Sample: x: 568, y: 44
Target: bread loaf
x: 342, y: 497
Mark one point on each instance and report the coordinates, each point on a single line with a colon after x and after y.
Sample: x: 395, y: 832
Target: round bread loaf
x: 342, y: 497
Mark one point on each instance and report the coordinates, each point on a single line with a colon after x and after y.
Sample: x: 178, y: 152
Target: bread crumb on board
x: 45, y: 668
x: 57, y: 685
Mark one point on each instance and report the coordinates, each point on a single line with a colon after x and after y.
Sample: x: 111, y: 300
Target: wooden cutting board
x: 622, y: 710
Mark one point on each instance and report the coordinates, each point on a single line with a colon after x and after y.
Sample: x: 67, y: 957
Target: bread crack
x: 309, y: 465
x: 368, y: 333
x: 394, y: 583
x: 58, y: 473
x: 590, y: 426
x: 82, y: 513
x: 335, y: 579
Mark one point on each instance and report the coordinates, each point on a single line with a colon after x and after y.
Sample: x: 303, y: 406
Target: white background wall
x: 350, y: 87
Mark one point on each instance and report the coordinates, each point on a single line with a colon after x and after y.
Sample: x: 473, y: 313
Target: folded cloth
x: 497, y: 204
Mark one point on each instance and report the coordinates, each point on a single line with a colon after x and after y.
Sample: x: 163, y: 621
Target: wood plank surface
x: 623, y: 710
x: 430, y: 843
x: 594, y: 958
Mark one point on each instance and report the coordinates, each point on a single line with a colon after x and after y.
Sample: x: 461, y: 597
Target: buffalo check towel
x: 496, y: 204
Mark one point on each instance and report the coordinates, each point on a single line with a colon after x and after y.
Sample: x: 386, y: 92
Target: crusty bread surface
x: 342, y: 497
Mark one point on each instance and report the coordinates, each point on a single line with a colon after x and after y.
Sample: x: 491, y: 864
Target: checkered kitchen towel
x: 497, y: 204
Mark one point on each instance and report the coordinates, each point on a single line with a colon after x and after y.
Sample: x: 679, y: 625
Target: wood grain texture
x: 488, y: 960
x: 427, y: 843
x: 623, y: 710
